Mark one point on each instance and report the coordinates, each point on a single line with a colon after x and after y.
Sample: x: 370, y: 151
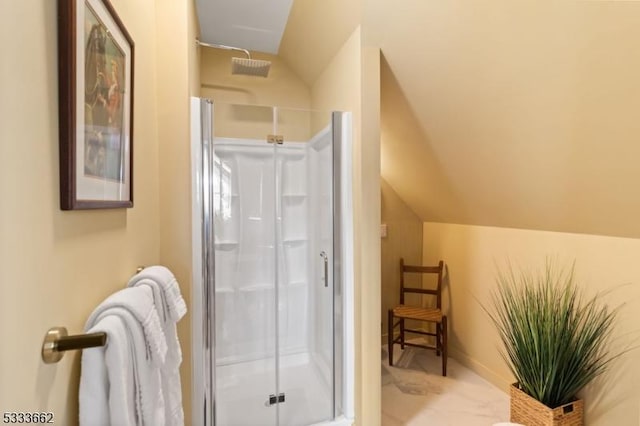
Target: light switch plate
x: 383, y: 230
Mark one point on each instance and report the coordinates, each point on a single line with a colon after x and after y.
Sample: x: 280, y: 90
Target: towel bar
x: 56, y: 342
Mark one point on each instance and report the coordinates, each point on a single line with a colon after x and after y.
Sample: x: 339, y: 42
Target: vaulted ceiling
x: 513, y: 114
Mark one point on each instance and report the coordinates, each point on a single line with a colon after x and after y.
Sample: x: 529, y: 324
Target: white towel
x: 171, y: 308
x: 172, y: 301
x: 133, y: 357
x: 104, y: 379
x: 139, y: 303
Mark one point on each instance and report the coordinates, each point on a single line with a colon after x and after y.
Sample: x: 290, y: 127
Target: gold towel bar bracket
x: 57, y: 341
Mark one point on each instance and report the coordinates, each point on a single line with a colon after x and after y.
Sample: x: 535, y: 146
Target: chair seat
x: 421, y: 314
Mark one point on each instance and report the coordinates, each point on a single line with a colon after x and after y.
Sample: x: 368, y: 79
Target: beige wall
x: 177, y: 61
x: 350, y: 82
x: 254, y: 119
x: 518, y: 126
x: 472, y: 254
x: 193, y: 33
x: 367, y: 211
x: 281, y: 88
x: 403, y: 240
x: 56, y: 266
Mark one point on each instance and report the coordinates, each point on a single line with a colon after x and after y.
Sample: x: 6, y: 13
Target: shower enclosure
x: 272, y: 288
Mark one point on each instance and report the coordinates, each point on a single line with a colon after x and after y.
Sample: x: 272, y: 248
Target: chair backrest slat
x: 420, y: 290
x: 421, y: 270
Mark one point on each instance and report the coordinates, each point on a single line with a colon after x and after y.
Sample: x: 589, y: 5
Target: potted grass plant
x: 555, y: 342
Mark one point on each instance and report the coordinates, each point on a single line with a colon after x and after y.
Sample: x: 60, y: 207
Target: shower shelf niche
x: 294, y: 241
x: 226, y: 245
x: 256, y: 287
x: 293, y: 199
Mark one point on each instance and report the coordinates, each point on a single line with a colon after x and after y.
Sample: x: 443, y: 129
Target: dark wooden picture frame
x: 95, y: 83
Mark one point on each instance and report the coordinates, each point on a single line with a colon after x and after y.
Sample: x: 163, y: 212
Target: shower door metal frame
x: 208, y: 270
x: 203, y: 328
x: 338, y: 299
x: 203, y: 280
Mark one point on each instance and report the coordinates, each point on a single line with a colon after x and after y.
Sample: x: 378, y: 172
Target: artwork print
x: 95, y: 86
x: 103, y: 117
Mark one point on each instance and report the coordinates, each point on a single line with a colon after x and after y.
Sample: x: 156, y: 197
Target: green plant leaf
x: 555, y: 341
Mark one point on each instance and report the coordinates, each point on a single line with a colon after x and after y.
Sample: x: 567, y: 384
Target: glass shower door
x: 304, y: 254
x: 245, y: 273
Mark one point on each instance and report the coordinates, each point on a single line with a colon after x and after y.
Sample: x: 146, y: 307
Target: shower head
x: 244, y: 66
x: 248, y: 66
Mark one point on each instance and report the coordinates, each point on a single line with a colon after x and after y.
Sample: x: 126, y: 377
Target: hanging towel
x: 139, y: 303
x: 133, y: 357
x: 171, y: 308
x: 104, y: 378
x: 172, y: 301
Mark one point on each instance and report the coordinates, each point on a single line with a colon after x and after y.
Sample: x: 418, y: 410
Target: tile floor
x: 414, y: 393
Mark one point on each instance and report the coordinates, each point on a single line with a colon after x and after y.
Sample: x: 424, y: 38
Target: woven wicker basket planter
x: 530, y: 412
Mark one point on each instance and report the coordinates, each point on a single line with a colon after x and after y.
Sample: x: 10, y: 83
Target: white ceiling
x: 249, y: 24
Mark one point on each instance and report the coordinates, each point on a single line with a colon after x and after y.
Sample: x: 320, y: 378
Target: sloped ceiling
x: 516, y: 114
x: 315, y: 31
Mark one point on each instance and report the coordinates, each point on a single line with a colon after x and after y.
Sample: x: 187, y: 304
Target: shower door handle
x: 326, y: 268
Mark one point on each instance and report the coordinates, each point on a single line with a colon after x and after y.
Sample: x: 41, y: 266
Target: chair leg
x: 438, y: 339
x: 390, y: 337
x: 402, y: 334
x: 444, y: 345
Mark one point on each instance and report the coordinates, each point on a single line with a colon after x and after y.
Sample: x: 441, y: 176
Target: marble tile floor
x: 415, y: 394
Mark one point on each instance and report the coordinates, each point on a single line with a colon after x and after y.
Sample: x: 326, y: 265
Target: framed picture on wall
x: 95, y: 71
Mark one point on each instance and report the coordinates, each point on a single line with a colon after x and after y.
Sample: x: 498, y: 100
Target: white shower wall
x: 261, y: 204
x: 272, y: 219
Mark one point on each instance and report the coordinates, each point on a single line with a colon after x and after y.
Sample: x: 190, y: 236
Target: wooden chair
x: 433, y: 315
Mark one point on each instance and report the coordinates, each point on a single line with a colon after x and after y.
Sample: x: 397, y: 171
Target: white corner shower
x: 272, y: 324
